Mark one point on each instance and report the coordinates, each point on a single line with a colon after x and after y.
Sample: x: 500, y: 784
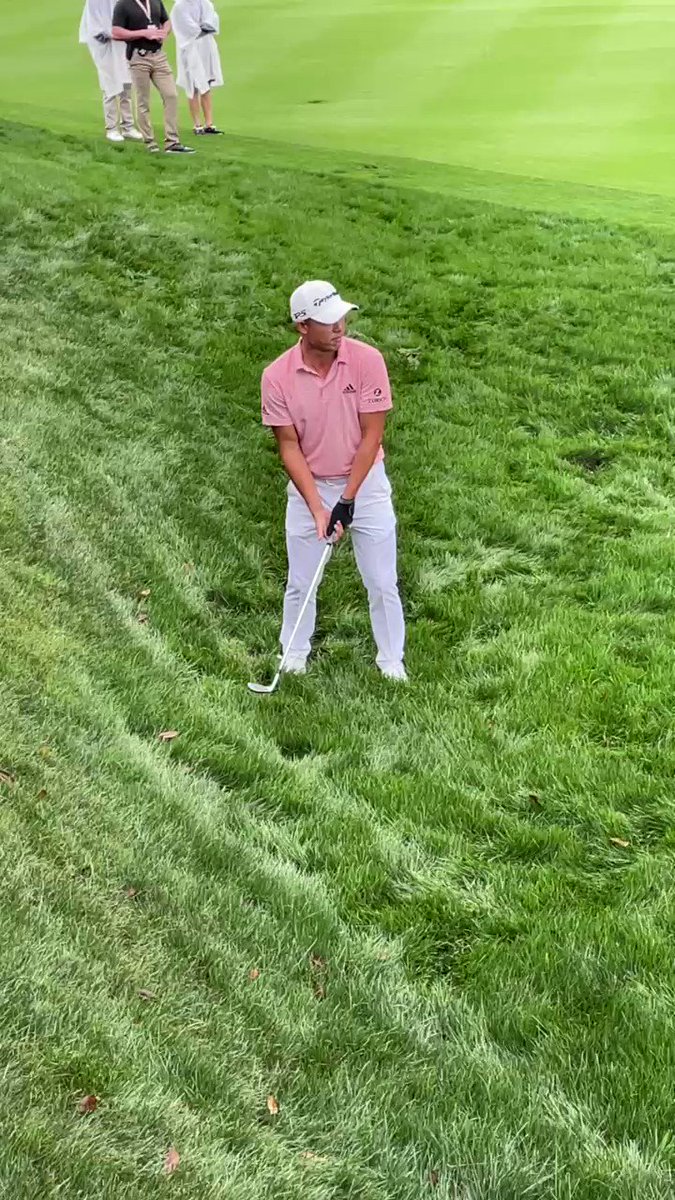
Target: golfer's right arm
x: 295, y: 465
x: 276, y: 416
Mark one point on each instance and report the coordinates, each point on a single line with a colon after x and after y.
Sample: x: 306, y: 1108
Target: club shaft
x: 311, y: 592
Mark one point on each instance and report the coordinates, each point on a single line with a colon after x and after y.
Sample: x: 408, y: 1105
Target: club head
x: 260, y: 689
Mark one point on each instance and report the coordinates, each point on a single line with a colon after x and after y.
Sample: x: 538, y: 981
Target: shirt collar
x: 298, y: 361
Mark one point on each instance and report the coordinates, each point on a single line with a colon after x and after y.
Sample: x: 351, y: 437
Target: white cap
x: 317, y: 300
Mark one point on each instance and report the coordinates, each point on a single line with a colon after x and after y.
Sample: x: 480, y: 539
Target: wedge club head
x: 261, y: 689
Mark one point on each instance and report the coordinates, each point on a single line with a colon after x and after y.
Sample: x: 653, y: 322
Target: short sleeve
x: 274, y: 407
x: 375, y: 387
x: 163, y: 14
x: 119, y: 16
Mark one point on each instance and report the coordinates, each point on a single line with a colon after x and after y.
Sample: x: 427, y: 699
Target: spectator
x: 144, y: 25
x: 195, y: 24
x: 113, y: 70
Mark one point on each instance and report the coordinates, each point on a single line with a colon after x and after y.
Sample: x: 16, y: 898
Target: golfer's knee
x: 298, y: 586
x: 381, y: 583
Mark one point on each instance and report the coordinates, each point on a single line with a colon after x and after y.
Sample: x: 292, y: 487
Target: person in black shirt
x: 144, y: 25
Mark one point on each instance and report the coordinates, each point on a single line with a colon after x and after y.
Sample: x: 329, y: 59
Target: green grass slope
x: 576, y: 91
x: 458, y: 896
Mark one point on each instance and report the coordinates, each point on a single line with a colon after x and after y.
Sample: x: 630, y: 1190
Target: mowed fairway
x: 580, y: 91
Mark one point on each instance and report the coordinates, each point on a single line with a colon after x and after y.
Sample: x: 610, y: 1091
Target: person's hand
x: 322, y: 519
x: 154, y: 33
x: 341, y: 516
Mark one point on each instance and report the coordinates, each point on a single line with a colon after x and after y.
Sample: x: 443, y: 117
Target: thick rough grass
x: 458, y: 896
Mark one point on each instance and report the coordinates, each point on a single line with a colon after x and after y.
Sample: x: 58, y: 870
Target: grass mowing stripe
x: 502, y: 101
x: 470, y: 37
x: 586, y: 90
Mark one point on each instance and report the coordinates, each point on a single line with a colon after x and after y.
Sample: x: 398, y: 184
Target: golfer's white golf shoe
x: 393, y: 670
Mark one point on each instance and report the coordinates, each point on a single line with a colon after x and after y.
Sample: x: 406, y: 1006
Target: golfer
x: 196, y: 24
x: 326, y: 400
x: 144, y: 25
x: 113, y: 70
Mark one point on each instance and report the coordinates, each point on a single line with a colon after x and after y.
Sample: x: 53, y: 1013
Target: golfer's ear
x: 301, y: 327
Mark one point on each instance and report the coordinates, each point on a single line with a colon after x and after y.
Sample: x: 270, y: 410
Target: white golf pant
x: 373, y: 534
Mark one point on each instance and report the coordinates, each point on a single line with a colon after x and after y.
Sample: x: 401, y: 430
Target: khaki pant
x: 155, y: 68
x: 117, y: 111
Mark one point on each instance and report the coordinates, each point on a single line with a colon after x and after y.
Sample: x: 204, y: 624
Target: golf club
x: 262, y: 689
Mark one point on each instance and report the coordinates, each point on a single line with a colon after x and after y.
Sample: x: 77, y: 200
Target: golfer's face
x: 325, y: 337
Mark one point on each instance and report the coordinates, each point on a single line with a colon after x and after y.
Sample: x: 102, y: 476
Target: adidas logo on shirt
x: 350, y: 390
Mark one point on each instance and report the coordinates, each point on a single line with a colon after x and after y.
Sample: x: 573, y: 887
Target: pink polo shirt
x: 325, y: 412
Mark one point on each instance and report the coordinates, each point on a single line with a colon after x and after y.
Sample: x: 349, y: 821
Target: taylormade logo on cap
x: 319, y: 301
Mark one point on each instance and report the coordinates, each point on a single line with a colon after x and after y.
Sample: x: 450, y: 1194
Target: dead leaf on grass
x: 273, y: 1106
x: 146, y: 994
x: 168, y: 735
x: 319, y: 967
x: 142, y: 618
x: 171, y: 1161
x: 410, y: 355
x: 130, y: 893
x: 308, y: 1156
x: 254, y: 974
x: 7, y: 776
x: 434, y: 1178
x: 143, y: 595
x: 535, y: 800
x: 87, y: 1105
x: 620, y: 843
x: 42, y: 794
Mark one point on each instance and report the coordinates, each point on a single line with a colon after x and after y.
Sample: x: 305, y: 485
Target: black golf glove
x: 342, y: 514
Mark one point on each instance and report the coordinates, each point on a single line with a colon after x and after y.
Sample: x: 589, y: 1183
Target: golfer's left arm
x: 374, y: 403
x: 372, y: 432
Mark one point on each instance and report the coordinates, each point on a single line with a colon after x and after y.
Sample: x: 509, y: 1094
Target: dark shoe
x: 212, y: 129
x: 178, y: 148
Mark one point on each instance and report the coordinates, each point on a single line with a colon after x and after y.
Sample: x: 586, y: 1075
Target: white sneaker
x: 133, y: 135
x: 296, y: 664
x: 393, y: 670
x: 114, y: 135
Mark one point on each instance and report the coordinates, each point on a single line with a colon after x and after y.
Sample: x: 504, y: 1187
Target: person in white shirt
x: 196, y: 25
x: 113, y: 70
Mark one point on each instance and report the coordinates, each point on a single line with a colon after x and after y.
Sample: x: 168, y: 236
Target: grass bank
x: 433, y: 923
